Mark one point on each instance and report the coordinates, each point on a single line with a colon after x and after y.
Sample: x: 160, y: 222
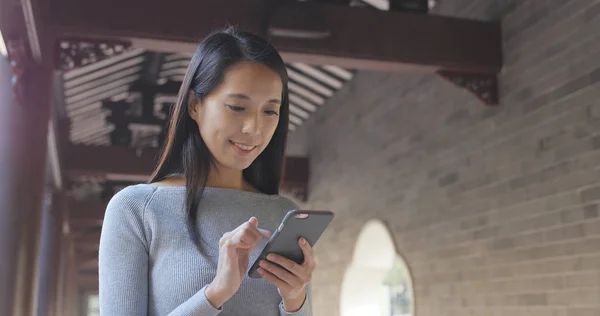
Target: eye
x: 272, y: 112
x: 236, y: 108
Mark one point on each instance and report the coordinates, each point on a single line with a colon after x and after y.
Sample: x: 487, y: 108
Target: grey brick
x: 594, y: 110
x: 592, y: 12
x: 591, y: 194
x: 572, y: 215
x: 532, y: 299
x: 592, y: 228
x: 571, y: 86
x: 565, y: 233
x: 576, y: 148
x: 448, y: 179
x: 457, y: 116
x: 501, y: 244
x: 582, y: 280
x: 475, y: 222
x: 590, y: 263
x: 595, y: 75
x: 596, y: 142
x: 590, y: 211
x: 582, y: 311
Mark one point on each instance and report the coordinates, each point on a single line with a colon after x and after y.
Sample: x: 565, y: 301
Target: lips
x: 243, y: 148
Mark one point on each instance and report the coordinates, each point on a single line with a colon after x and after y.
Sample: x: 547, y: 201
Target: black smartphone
x: 284, y: 241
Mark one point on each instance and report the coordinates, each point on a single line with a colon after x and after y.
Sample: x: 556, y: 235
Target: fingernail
x: 303, y: 241
x: 271, y: 257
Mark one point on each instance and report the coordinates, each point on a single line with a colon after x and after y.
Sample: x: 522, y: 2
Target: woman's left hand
x: 292, y: 280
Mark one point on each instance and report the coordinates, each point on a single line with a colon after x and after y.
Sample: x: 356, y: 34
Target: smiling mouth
x: 245, y: 148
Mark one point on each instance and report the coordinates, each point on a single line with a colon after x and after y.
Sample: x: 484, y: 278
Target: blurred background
x: 457, y: 141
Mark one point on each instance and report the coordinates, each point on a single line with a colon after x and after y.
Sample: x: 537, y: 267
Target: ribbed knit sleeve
x: 123, y: 260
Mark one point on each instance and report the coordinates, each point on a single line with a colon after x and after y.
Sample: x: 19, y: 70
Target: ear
x: 193, y: 105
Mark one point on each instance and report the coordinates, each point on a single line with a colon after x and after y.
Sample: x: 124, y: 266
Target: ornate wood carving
x: 20, y: 64
x: 483, y: 86
x: 74, y: 53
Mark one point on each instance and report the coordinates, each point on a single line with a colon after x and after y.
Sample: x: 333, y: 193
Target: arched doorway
x: 377, y: 281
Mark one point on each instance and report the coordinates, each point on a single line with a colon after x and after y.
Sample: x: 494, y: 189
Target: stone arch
x: 378, y: 281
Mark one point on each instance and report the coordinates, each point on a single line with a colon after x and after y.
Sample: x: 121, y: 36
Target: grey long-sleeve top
x: 148, y: 265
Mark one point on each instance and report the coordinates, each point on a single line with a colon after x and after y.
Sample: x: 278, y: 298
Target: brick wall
x: 494, y: 209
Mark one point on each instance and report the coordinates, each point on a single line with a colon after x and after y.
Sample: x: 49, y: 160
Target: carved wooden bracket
x: 20, y: 64
x: 483, y: 86
x: 73, y: 53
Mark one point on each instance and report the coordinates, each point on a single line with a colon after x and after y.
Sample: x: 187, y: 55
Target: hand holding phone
x: 296, y: 224
x: 290, y: 278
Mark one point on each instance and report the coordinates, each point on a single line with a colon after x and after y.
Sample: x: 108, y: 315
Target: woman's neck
x: 222, y: 179
x: 228, y: 179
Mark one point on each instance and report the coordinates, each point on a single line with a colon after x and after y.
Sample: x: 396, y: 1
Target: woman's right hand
x: 234, y: 252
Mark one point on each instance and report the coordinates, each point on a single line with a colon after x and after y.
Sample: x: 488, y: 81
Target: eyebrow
x: 245, y: 97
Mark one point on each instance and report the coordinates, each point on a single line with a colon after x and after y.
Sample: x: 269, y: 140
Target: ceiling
x: 131, y: 93
x: 125, y: 100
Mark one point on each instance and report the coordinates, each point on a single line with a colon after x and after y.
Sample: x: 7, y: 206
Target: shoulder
x: 124, y: 216
x: 133, y: 195
x: 131, y: 199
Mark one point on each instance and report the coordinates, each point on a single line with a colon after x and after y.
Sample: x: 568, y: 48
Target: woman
x: 181, y: 244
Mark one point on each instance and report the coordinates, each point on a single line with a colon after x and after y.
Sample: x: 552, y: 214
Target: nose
x: 252, y: 124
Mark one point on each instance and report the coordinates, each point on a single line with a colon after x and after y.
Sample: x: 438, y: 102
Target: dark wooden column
x: 49, y: 256
x: 43, y: 276
x: 55, y: 283
x: 25, y: 102
x: 71, y: 280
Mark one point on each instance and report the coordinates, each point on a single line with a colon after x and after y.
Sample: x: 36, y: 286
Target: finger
x: 250, y: 232
x: 254, y: 221
x: 309, y: 259
x: 282, y: 274
x: 273, y: 279
x: 252, y: 228
x: 224, y: 238
x: 230, y: 247
x: 289, y: 265
x: 265, y: 233
x: 249, y: 236
x: 243, y: 240
x: 250, y: 225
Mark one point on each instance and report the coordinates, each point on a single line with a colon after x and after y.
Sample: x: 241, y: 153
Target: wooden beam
x: 311, y: 32
x: 110, y: 160
x: 387, y: 41
x: 124, y: 162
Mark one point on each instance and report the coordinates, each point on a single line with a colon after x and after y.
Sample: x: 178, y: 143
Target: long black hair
x: 185, y: 152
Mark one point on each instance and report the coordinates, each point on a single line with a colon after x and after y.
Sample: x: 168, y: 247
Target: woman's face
x: 238, y: 119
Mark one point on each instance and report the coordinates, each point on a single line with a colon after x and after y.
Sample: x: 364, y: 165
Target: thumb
x: 254, y: 221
